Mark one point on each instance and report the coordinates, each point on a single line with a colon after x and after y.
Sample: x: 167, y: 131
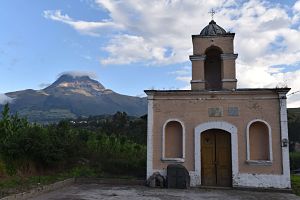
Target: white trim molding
x: 150, y: 137
x: 197, y: 81
x: 230, y: 128
x: 229, y: 80
x: 163, y: 156
x: 229, y: 56
x: 284, y: 136
x: 259, y: 162
x: 197, y: 57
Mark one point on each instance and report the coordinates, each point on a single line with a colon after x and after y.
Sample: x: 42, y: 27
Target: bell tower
x: 213, y: 59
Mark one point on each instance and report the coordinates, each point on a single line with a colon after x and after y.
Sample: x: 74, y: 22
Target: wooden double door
x: 216, y: 167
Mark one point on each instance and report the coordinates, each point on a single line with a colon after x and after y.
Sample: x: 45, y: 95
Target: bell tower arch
x: 213, y: 69
x: 213, y: 59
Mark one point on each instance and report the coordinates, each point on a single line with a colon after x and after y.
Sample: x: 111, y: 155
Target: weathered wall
x: 200, y: 44
x: 192, y: 109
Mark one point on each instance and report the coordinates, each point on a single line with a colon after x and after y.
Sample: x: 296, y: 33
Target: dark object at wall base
x: 156, y: 180
x: 177, y: 177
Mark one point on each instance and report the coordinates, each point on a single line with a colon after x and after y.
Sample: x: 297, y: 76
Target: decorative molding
x: 197, y: 81
x: 176, y: 160
x: 259, y: 162
x: 230, y: 128
x: 197, y: 57
x: 229, y: 56
x: 183, y: 141
x: 150, y: 137
x: 229, y: 80
x: 270, y: 139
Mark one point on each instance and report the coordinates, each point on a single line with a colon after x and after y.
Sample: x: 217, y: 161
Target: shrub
x: 29, y: 148
x: 294, y: 160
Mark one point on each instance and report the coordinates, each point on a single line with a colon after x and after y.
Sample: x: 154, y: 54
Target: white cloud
x: 296, y: 6
x: 185, y: 70
x: 84, y: 27
x: 75, y: 74
x: 122, y: 49
x: 183, y: 75
x: 184, y: 78
x: 158, y: 32
x: 4, y: 99
x: 296, y: 10
x: 87, y: 57
x: 44, y: 85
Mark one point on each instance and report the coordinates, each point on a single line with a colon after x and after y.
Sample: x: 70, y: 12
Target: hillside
x: 294, y: 111
x: 72, y: 97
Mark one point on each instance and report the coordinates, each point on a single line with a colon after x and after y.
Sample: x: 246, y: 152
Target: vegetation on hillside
x: 294, y: 127
x: 113, y: 146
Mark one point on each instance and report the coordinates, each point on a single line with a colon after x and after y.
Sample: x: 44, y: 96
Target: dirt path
x: 95, y: 191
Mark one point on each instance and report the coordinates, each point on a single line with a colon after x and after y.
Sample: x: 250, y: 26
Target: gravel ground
x: 96, y: 191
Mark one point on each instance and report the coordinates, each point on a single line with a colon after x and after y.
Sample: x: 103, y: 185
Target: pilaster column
x: 228, y: 68
x: 284, y: 137
x: 198, y: 81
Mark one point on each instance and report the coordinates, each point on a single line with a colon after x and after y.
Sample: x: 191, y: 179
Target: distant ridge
x: 71, y: 97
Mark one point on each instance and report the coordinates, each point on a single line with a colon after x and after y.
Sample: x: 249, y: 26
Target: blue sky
x: 34, y: 50
x: 135, y: 45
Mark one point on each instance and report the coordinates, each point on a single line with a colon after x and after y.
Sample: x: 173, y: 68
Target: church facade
x: 223, y: 135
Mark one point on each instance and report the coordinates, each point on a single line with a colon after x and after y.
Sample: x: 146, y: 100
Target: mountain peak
x: 72, y: 78
x: 79, y: 84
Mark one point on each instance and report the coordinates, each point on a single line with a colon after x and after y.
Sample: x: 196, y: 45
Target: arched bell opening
x: 213, y: 69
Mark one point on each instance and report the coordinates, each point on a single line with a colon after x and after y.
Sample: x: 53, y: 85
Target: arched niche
x: 173, y: 147
x: 259, y: 141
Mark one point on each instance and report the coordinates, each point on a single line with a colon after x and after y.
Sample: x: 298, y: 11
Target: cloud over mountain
x: 5, y: 99
x: 75, y: 74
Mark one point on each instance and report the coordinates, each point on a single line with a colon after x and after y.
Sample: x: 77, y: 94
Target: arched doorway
x: 212, y: 69
x: 216, y: 161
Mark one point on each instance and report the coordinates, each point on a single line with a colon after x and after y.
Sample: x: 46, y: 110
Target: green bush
x: 294, y: 160
x: 118, y: 155
x: 29, y: 148
x: 83, y: 171
x: 2, y: 169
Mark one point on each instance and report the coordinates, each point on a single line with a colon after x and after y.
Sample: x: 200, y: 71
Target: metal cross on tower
x: 212, y: 12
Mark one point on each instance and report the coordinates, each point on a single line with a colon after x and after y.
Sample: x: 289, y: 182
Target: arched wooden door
x: 216, y: 167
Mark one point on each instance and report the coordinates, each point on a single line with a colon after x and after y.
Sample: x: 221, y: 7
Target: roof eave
x: 214, y: 36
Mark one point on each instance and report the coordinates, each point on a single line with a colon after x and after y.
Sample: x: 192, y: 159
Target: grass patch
x: 20, y: 183
x: 17, y: 184
x: 296, y: 184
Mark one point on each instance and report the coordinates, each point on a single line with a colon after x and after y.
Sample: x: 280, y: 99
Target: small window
x: 173, y: 141
x: 259, y: 147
